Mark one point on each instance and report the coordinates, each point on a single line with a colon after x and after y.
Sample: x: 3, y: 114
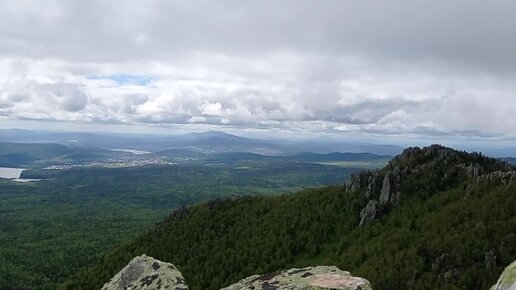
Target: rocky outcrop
x: 446, y: 168
x: 370, y: 212
x: 503, y: 177
x: 146, y: 273
x: 311, y: 278
x: 359, y: 180
x: 507, y: 280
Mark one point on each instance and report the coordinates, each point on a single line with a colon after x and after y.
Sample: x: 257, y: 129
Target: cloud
x: 390, y: 68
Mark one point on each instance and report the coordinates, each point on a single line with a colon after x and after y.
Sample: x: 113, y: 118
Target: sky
x: 378, y: 69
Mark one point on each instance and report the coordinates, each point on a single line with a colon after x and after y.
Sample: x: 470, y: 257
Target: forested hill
x: 441, y: 219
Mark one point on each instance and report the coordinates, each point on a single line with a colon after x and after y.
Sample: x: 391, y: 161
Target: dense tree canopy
x: 450, y: 231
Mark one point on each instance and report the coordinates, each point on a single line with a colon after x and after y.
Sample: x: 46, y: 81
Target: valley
x: 448, y: 228
x: 77, y: 212
x: 93, y: 209
x: 257, y: 145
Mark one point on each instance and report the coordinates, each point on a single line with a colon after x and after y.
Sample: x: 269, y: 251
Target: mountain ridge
x: 205, y: 141
x: 405, y: 247
x: 385, y: 188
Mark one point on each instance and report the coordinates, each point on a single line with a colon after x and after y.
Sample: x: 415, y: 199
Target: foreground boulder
x: 146, y: 273
x: 507, y: 280
x: 311, y: 278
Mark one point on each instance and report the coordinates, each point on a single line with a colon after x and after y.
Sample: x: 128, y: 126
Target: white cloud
x: 309, y: 67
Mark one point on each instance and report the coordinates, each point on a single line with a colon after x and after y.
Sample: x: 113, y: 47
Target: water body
x: 14, y: 174
x: 11, y: 173
x: 135, y: 152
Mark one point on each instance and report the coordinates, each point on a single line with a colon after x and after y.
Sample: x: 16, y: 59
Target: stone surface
x: 311, y: 278
x: 507, y: 280
x: 369, y: 212
x: 385, y: 193
x: 146, y: 273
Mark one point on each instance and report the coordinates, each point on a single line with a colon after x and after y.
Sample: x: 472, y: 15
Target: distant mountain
x: 219, y: 142
x: 510, y: 160
x: 232, y: 157
x: 325, y: 146
x: 20, y: 154
x: 180, y: 153
x: 34, y: 154
x: 435, y: 218
x: 214, y: 135
x: 306, y: 157
x: 207, y: 142
x: 210, y: 142
x: 337, y: 156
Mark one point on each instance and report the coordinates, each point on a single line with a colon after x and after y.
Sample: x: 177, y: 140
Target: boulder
x: 311, y: 278
x: 146, y: 273
x: 507, y: 280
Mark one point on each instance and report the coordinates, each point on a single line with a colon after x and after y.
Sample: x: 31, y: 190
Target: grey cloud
x: 379, y: 67
x: 465, y: 32
x: 70, y: 97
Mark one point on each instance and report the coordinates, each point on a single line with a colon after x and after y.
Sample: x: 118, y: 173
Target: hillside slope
x: 442, y: 219
x: 20, y: 154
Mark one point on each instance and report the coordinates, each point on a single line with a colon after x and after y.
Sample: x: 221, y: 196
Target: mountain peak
x: 421, y: 172
x: 435, y: 155
x: 214, y: 134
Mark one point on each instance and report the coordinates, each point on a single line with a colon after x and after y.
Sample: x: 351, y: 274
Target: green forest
x: 456, y: 234
x: 52, y: 228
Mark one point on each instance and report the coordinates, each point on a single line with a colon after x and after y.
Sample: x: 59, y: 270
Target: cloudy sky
x: 371, y: 68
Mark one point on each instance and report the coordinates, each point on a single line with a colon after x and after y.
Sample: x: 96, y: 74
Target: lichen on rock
x: 146, y: 273
x: 507, y: 280
x: 310, y: 278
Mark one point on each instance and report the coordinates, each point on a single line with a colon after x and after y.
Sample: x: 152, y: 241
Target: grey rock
x: 507, y: 280
x: 311, y: 278
x: 369, y: 212
x: 436, y: 265
x: 385, y: 193
x: 358, y: 181
x: 490, y: 259
x: 146, y: 273
x: 474, y: 171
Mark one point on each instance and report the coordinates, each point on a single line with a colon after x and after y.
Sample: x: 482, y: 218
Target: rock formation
x: 370, y: 212
x: 507, y: 280
x: 146, y: 273
x: 311, y: 278
x: 448, y: 167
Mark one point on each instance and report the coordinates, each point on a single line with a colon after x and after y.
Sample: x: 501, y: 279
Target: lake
x: 14, y: 174
x: 6, y: 172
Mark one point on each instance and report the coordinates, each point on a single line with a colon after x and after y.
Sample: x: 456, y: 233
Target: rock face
x: 370, y: 212
x: 146, y: 273
x: 384, y: 188
x: 311, y: 278
x: 507, y: 280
